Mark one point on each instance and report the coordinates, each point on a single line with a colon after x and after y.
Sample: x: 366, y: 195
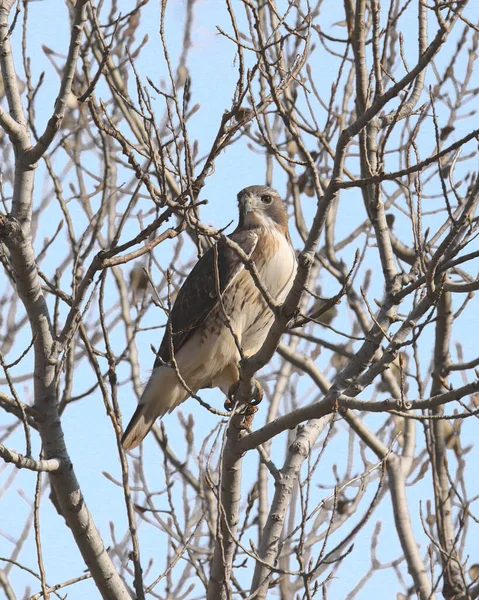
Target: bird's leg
x: 229, y: 402
x: 256, y: 397
x: 258, y: 393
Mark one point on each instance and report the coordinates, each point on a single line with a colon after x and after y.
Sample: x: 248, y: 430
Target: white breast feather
x: 277, y: 274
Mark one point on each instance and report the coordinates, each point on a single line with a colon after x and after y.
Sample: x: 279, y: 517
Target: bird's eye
x: 266, y: 199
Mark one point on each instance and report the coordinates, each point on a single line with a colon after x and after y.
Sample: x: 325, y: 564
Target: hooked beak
x: 247, y: 204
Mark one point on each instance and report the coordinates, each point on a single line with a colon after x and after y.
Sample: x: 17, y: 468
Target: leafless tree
x: 363, y: 458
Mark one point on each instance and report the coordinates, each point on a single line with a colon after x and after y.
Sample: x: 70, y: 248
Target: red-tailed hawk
x: 204, y: 348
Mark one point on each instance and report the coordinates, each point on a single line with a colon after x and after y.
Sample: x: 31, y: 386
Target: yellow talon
x: 255, y: 399
x: 257, y: 394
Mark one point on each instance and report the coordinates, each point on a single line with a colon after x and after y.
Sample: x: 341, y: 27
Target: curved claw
x: 256, y: 398
x: 230, y: 400
x: 258, y: 394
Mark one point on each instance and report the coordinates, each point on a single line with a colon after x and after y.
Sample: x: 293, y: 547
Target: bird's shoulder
x: 214, y: 272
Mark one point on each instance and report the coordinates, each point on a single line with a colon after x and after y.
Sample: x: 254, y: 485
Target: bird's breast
x: 275, y: 261
x: 247, y: 311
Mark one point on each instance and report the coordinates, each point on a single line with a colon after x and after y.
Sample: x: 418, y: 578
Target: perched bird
x: 201, y: 322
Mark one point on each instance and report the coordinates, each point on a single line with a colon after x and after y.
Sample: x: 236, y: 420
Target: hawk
x: 218, y: 308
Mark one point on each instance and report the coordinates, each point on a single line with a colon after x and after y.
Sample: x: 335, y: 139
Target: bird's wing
x: 198, y: 295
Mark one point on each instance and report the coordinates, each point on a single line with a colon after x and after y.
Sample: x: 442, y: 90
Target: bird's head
x: 261, y: 206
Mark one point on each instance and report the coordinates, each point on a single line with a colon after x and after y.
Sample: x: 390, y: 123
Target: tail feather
x: 140, y: 424
x: 162, y: 394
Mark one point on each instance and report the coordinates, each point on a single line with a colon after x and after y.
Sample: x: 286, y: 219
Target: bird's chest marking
x: 243, y: 303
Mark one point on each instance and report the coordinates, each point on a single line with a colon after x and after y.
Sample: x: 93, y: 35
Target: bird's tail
x: 140, y: 424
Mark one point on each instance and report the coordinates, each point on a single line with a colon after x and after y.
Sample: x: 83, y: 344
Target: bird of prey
x: 219, y: 307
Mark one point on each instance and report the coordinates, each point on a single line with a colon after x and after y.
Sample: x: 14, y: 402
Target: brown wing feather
x: 198, y: 294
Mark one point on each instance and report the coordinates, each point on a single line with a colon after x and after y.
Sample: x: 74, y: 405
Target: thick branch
x: 228, y: 517
x: 327, y: 405
x: 16, y: 234
x: 402, y: 519
x: 453, y: 581
x: 26, y: 462
x: 269, y: 546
